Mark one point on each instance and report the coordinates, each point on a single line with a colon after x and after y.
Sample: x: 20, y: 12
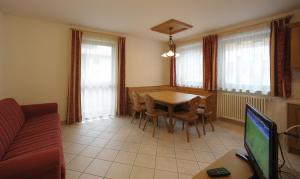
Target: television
x: 260, y: 141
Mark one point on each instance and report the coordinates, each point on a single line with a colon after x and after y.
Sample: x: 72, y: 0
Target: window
x: 244, y: 61
x: 189, y: 66
x: 98, y: 77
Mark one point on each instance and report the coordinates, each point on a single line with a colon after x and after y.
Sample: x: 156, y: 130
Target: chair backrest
x: 193, y: 106
x: 149, y: 104
x: 135, y: 101
x: 208, y: 104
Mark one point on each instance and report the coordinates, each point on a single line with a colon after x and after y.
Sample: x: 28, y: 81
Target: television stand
x: 237, y: 167
x: 242, y: 156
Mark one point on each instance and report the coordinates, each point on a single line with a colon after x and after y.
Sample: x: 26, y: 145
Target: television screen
x: 261, y: 143
x: 257, y: 138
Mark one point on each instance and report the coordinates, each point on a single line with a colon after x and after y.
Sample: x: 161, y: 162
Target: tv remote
x: 218, y: 172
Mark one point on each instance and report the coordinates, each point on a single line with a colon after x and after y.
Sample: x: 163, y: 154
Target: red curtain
x: 74, y: 88
x: 121, y: 108
x: 210, y: 55
x: 280, y: 58
x: 173, y: 67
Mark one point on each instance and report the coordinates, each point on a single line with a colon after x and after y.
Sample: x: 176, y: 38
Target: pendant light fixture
x: 171, y: 43
x: 171, y: 27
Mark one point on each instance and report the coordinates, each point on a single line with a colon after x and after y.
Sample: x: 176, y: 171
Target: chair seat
x: 158, y: 112
x: 200, y: 110
x: 183, y: 115
x: 142, y: 107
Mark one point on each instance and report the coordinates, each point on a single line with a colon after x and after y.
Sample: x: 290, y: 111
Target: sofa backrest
x: 11, y: 120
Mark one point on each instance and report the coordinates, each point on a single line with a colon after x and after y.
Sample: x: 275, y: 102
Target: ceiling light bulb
x: 177, y: 55
x: 164, y: 55
x: 170, y: 53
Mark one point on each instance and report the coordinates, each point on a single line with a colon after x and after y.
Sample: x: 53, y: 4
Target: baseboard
x: 239, y: 123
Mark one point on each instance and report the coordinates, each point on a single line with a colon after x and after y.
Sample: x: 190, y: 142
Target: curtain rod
x: 237, y: 27
x: 88, y: 30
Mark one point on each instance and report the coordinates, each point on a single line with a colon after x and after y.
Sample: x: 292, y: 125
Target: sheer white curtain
x: 98, y: 77
x: 244, y: 61
x: 189, y: 65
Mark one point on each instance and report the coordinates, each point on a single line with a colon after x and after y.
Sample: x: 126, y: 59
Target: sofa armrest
x: 44, y: 164
x: 34, y: 110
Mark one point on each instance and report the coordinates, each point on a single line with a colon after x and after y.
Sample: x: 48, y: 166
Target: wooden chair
x: 137, y: 107
x: 205, y: 114
x: 190, y: 116
x: 152, y: 113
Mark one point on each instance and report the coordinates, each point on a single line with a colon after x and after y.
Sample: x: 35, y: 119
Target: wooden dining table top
x: 171, y: 97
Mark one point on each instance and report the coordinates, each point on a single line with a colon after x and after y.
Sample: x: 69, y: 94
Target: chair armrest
x: 44, y: 164
x: 34, y: 110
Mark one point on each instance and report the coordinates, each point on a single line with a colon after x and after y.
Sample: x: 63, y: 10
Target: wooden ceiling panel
x: 175, y: 26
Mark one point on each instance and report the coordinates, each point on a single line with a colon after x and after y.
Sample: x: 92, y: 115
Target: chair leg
x: 187, y: 132
x: 203, y: 124
x: 133, y: 116
x: 141, y: 115
x: 196, y: 125
x: 154, y: 125
x: 147, y: 119
x: 211, y: 124
x: 182, y: 125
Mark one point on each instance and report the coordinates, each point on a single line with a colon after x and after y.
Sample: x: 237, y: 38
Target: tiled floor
x: 115, y: 148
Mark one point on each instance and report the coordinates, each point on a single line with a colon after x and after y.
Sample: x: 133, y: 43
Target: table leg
x: 171, y: 125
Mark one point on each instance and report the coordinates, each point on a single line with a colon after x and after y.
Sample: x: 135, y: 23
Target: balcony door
x: 98, y: 77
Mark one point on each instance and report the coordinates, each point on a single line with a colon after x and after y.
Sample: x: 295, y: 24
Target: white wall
x: 144, y: 64
x: 36, y: 58
x: 38, y: 53
x: 1, y: 53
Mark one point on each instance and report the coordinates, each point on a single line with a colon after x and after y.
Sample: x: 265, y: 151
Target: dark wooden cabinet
x: 293, y: 118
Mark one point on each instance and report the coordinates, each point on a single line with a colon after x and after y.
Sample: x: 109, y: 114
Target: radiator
x: 232, y: 105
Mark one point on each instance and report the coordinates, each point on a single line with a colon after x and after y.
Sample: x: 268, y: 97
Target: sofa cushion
x: 37, y: 134
x: 11, y: 120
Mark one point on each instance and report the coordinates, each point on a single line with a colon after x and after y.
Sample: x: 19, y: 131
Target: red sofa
x: 30, y: 141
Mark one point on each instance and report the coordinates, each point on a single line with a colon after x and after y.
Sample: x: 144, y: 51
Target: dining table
x: 171, y: 99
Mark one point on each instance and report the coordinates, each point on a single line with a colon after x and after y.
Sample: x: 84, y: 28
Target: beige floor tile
x: 74, y: 148
x: 145, y: 160
x: 68, y: 157
x: 120, y: 134
x: 79, y: 163
x: 125, y: 157
x: 85, y: 140
x: 164, y: 163
x: 70, y: 174
x: 188, y: 167
x: 185, y: 154
x: 119, y: 171
x: 107, y: 154
x: 142, y: 173
x: 130, y: 147
x: 90, y: 151
x: 88, y: 176
x: 98, y: 167
x: 148, y: 149
x: 116, y: 145
x: 165, y: 152
x: 159, y: 174
x: 202, y: 165
x: 99, y: 142
x: 185, y: 176
x: 106, y: 135
x: 149, y: 141
x: 206, y: 157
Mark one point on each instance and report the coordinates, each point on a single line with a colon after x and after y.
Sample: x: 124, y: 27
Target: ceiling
x: 136, y: 17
